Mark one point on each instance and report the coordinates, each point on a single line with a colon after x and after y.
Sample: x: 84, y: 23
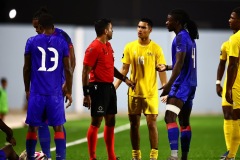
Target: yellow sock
x: 154, y: 153
x: 235, y: 139
x: 227, y: 129
x: 136, y: 154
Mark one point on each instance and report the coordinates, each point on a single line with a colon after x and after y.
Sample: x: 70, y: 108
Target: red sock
x: 92, y: 141
x: 109, y: 140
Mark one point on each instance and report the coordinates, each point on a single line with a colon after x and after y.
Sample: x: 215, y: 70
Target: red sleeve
x: 91, y: 55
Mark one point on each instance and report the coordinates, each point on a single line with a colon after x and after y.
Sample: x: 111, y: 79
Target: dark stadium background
x: 207, y: 13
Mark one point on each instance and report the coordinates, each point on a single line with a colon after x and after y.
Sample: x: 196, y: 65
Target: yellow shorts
x: 224, y: 101
x: 138, y: 105
x: 236, y: 98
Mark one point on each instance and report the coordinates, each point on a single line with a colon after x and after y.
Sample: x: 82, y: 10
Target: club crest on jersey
x: 149, y: 54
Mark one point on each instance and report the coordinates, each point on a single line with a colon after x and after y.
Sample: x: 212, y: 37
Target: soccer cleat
x: 224, y: 155
x: 153, y: 158
x: 135, y: 159
x: 23, y: 155
x: 117, y: 158
x: 172, y: 158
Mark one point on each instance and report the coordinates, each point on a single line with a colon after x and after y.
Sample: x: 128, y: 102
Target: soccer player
x: 7, y: 152
x: 46, y: 58
x: 3, y: 99
x: 99, y: 92
x: 233, y: 81
x: 43, y: 131
x: 226, y: 107
x: 182, y: 84
x: 143, y: 55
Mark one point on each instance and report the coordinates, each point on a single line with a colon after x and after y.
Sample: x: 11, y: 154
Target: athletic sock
x: 136, y: 154
x: 186, y: 135
x: 235, y: 139
x: 60, y: 143
x: 92, y: 141
x: 154, y: 153
x: 227, y: 129
x: 109, y: 141
x: 173, y: 135
x: 45, y: 139
x: 31, y: 141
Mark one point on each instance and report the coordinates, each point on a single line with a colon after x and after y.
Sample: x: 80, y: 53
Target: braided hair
x: 186, y: 22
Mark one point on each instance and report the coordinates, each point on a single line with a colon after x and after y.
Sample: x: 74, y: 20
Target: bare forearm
x: 231, y: 75
x: 26, y: 78
x: 69, y: 79
x: 163, y: 78
x: 72, y: 58
x: 220, y: 70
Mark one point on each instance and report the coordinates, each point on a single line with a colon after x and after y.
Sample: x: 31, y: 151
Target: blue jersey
x: 47, y: 53
x: 64, y: 35
x: 183, y: 43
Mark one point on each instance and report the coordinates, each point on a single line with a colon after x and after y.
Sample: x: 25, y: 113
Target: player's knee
x: 171, y: 113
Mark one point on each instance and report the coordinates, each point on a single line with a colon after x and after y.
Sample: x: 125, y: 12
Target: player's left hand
x: 11, y: 140
x: 69, y: 99
x: 164, y: 99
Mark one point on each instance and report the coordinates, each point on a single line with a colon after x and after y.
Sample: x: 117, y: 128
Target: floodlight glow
x: 12, y: 13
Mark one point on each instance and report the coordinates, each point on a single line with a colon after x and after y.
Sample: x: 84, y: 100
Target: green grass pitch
x: 207, y: 139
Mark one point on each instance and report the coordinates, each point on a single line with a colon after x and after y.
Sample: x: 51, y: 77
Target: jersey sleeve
x: 65, y: 49
x: 28, y: 46
x: 224, y: 48
x: 91, y: 55
x: 126, y: 55
x: 181, y: 44
x: 234, y: 47
x: 160, y: 56
x: 67, y: 38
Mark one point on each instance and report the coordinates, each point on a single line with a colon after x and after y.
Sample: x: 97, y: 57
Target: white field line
x: 100, y: 135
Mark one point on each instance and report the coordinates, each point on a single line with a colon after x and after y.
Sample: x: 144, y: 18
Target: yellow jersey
x: 143, y: 61
x: 234, y: 51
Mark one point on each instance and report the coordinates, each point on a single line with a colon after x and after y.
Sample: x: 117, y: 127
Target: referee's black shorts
x: 104, y: 99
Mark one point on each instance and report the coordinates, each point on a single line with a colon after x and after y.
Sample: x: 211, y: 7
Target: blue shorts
x: 45, y: 107
x: 184, y: 93
x: 2, y: 155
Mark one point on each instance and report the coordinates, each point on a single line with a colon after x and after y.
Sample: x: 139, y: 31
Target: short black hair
x: 237, y: 11
x: 3, y: 80
x: 101, y: 25
x: 38, y: 13
x: 46, y: 20
x: 147, y: 20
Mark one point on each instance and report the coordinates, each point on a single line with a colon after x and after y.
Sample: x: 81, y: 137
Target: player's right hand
x: 219, y: 90
x: 161, y: 67
x: 11, y: 140
x: 87, y: 102
x: 69, y: 99
x: 27, y: 95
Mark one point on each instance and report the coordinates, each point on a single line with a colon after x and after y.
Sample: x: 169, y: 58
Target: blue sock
x: 60, y: 143
x: 31, y: 141
x: 186, y: 135
x: 45, y: 139
x: 173, y: 134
